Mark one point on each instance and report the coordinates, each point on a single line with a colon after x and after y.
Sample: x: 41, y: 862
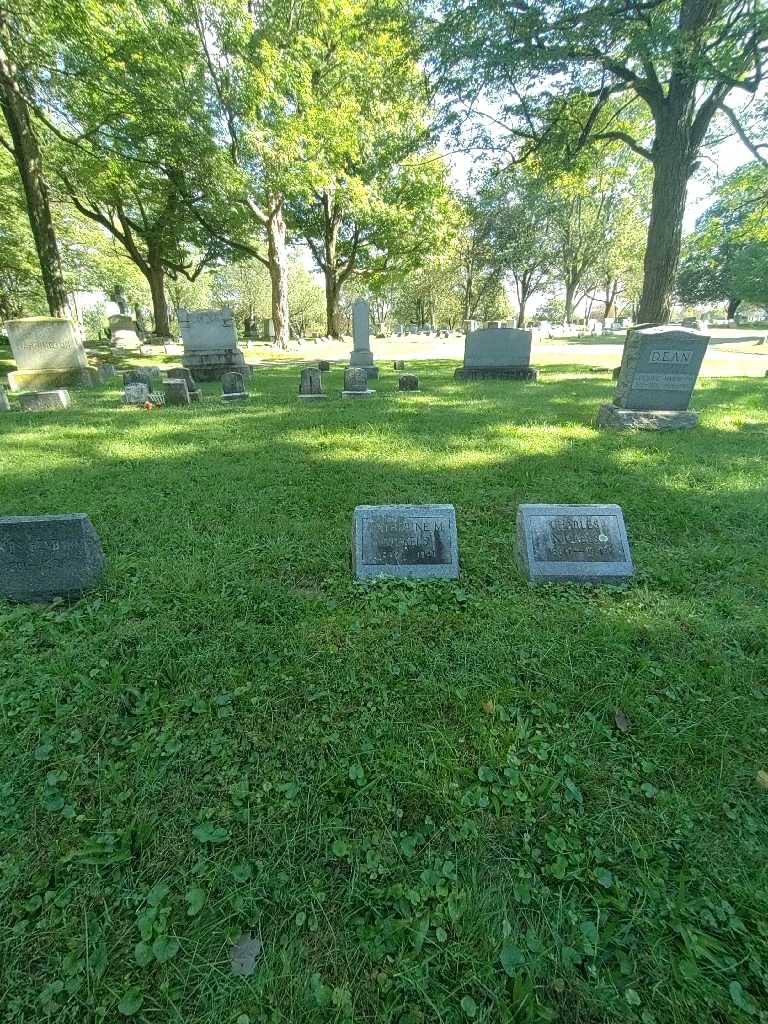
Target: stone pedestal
x: 612, y: 416
x: 213, y: 365
x: 497, y: 373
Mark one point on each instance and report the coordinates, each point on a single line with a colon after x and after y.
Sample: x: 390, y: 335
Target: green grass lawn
x: 416, y: 796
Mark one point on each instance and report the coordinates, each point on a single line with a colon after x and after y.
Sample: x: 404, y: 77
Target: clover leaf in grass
x: 131, y: 1001
x: 207, y: 832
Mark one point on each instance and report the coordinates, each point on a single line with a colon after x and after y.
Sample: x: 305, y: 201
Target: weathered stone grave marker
x: 658, y: 372
x: 45, y: 401
x: 182, y: 373
x: 311, y: 383
x: 573, y: 543
x: 361, y: 354
x: 137, y: 377
x: 135, y: 394
x: 48, y: 353
x: 123, y: 332
x: 176, y: 391
x: 408, y: 382
x: 500, y: 353
x: 233, y: 387
x: 323, y: 365
x: 210, y: 343
x: 418, y: 541
x: 399, y: 364
x: 43, y: 557
x: 356, y: 383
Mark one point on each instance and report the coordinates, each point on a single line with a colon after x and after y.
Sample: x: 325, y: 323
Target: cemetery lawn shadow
x: 418, y: 797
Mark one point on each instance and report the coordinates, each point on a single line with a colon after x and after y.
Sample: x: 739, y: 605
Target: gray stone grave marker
x: 137, y: 377
x: 43, y: 557
x: 573, y: 543
x: 418, y: 541
x: 210, y: 343
x: 45, y: 401
x: 48, y: 353
x: 356, y: 383
x: 399, y: 364
x: 182, y: 373
x: 656, y: 379
x: 500, y: 353
x: 323, y: 365
x: 176, y: 391
x: 311, y: 383
x: 135, y: 394
x: 361, y: 354
x: 233, y: 387
x: 408, y: 382
x: 122, y: 329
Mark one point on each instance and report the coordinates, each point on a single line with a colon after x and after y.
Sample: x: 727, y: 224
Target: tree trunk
x: 156, y: 278
x: 118, y: 297
x: 277, y: 254
x: 26, y: 153
x: 672, y: 168
x: 139, y: 318
x: 733, y: 305
x: 570, y: 291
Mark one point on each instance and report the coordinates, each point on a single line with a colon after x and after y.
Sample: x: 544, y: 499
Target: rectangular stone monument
x: 361, y: 354
x: 43, y: 557
x: 311, y: 384
x: 45, y: 401
x: 658, y: 372
x: 356, y: 383
x: 182, y: 373
x: 233, y: 387
x: 497, y: 353
x: 48, y: 353
x: 573, y: 544
x: 122, y: 329
x: 176, y: 391
x: 5, y: 405
x: 417, y: 541
x: 210, y: 343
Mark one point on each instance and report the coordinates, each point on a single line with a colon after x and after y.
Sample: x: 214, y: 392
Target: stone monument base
x: 496, y: 373
x: 237, y: 396
x: 213, y: 365
x: 306, y: 398
x: 358, y: 394
x: 49, y: 380
x: 612, y: 417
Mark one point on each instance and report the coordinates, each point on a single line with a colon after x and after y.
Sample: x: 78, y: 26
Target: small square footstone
x: 573, y: 544
x: 233, y: 387
x: 45, y: 401
x: 408, y: 382
x: 311, y: 383
x: 176, y: 391
x: 43, y: 557
x: 356, y: 383
x: 323, y: 365
x: 417, y: 541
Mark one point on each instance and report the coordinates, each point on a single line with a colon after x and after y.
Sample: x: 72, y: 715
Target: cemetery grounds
x: 432, y: 802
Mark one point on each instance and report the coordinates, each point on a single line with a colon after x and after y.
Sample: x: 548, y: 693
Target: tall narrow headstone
x: 311, y: 383
x: 656, y: 379
x: 417, y: 541
x: 356, y: 383
x: 44, y: 557
x: 501, y: 353
x: 48, y: 353
x: 361, y: 354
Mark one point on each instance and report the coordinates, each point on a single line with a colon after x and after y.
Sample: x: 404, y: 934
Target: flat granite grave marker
x: 45, y: 401
x: 48, y: 353
x: 43, y: 557
x: 573, y: 544
x: 656, y: 379
x: 361, y: 354
x: 497, y: 353
x: 417, y: 541
x: 233, y: 387
x: 311, y: 383
x: 408, y: 382
x: 356, y: 383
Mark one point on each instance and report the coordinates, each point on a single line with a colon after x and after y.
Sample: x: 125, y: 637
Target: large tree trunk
x: 118, y: 296
x: 26, y: 153
x: 156, y: 277
x: 733, y: 305
x: 331, y: 267
x: 570, y: 292
x: 277, y: 254
x: 672, y: 168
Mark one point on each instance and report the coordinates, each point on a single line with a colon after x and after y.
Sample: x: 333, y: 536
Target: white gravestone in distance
x: 502, y: 353
x: 210, y: 343
x: 658, y: 372
x: 48, y: 353
x: 122, y: 329
x: 361, y: 354
x: 573, y: 544
x: 417, y: 541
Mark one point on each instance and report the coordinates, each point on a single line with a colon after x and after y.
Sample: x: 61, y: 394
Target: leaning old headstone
x: 43, y: 557
x: 48, y: 353
x: 418, y: 541
x: 311, y: 383
x: 182, y: 373
x: 573, y: 544
x: 497, y: 353
x: 408, y: 382
x: 176, y: 391
x: 5, y: 405
x: 210, y: 343
x: 233, y: 387
x: 135, y: 394
x: 658, y: 372
x: 45, y: 401
x: 361, y: 354
x: 356, y: 383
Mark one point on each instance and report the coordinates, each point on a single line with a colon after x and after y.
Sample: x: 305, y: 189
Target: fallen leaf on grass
x: 762, y: 779
x: 489, y: 707
x: 623, y: 724
x: 244, y: 953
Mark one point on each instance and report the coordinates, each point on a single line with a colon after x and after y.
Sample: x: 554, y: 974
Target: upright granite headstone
x: 356, y: 383
x: 137, y: 377
x: 176, y: 391
x: 361, y: 354
x: 500, y: 353
x: 408, y: 382
x: 418, y: 541
x: 43, y: 557
x: 233, y: 387
x: 45, y: 401
x: 311, y: 383
x: 573, y: 544
x: 135, y: 394
x: 48, y: 353
x: 5, y: 405
x: 182, y: 373
x: 122, y: 329
x: 210, y: 343
x: 658, y: 372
